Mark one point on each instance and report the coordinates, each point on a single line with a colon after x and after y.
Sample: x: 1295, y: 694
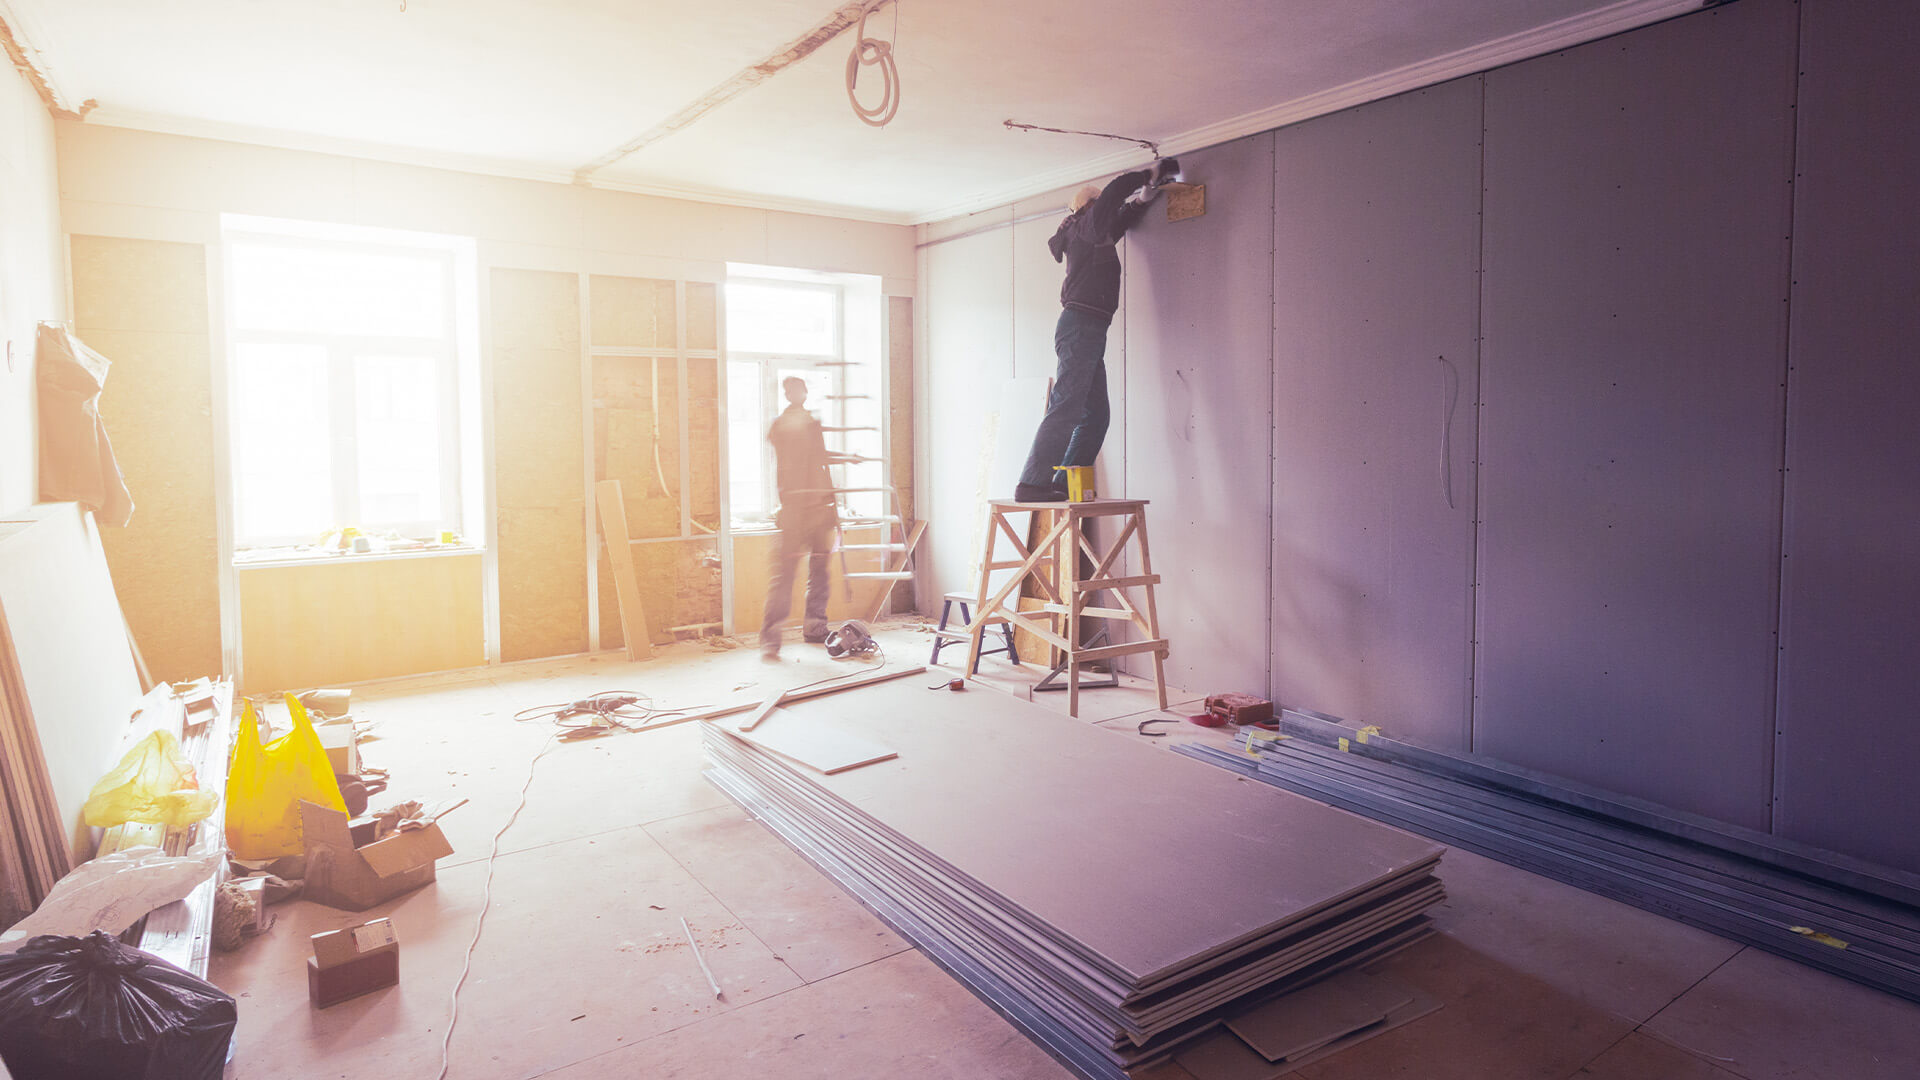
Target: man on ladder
x: 806, y: 519
x: 1077, y: 413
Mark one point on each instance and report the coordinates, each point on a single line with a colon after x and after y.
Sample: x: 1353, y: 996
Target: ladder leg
x: 977, y: 627
x: 1153, y: 612
x: 1070, y: 575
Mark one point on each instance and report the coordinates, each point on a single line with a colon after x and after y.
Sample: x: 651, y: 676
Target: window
x: 344, y: 375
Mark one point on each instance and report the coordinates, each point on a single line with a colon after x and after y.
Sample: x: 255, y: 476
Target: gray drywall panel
x: 1036, y: 296
x: 1634, y: 304
x: 1848, y: 746
x: 967, y: 285
x: 1375, y: 253
x: 1197, y: 413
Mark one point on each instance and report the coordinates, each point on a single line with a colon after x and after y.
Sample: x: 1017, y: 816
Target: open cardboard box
x: 354, y: 877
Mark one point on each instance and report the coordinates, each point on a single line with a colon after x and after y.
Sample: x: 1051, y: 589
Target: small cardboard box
x: 354, y: 877
x: 348, y: 963
x: 342, y: 747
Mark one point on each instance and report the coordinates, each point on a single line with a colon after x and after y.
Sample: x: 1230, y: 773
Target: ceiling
x: 546, y: 89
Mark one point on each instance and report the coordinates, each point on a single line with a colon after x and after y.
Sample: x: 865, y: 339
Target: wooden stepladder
x: 1053, y: 564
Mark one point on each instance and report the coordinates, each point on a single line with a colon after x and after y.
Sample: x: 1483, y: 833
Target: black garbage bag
x: 94, y: 1009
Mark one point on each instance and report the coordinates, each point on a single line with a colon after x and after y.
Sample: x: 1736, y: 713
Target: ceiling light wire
x: 872, y: 52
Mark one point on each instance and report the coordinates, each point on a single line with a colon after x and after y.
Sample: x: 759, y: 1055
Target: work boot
x: 770, y: 651
x: 1039, y: 493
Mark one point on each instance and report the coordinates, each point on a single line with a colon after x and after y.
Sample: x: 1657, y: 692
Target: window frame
x: 343, y: 352
x: 771, y: 364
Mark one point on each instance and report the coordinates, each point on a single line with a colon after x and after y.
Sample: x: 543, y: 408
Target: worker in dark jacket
x: 806, y: 519
x: 1077, y: 412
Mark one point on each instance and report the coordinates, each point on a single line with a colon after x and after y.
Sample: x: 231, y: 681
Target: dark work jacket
x: 800, y: 459
x: 1086, y: 241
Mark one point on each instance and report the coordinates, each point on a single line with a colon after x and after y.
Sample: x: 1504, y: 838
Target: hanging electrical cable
x: 871, y: 52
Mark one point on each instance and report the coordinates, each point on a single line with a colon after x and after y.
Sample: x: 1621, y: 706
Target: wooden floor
x: 582, y: 970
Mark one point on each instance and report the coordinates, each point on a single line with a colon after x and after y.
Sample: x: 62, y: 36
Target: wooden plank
x: 613, y: 529
x: 760, y: 714
x: 1102, y: 584
x: 1128, y: 648
x: 787, y: 697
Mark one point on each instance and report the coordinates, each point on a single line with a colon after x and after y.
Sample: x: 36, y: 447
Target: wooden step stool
x: 943, y: 637
x: 1053, y: 565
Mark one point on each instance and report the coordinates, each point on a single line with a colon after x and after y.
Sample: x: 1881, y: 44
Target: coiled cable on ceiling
x: 871, y: 52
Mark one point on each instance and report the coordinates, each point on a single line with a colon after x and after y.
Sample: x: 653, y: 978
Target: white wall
x: 120, y: 182
x: 32, y: 274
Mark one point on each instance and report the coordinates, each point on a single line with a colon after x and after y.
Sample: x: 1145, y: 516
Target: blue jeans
x: 1077, y: 412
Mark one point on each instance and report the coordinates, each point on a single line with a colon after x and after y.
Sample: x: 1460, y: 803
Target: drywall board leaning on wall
x: 71, y: 645
x: 967, y: 286
x: 1375, y: 253
x: 1848, y: 750
x: 354, y: 619
x: 1198, y: 409
x: 143, y: 304
x: 31, y: 257
x: 1631, y: 372
x: 539, y: 477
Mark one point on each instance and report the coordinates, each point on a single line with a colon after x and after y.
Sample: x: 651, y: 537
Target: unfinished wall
x: 1848, y: 750
x: 1635, y: 336
x: 1609, y: 595
x: 143, y: 304
x: 32, y: 264
x: 308, y: 624
x: 539, y: 471
x: 637, y: 441
x: 142, y: 186
x: 1376, y: 245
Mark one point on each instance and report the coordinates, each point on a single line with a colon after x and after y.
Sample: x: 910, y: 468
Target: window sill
x: 318, y: 557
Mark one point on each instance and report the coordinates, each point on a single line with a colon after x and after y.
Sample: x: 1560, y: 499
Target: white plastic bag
x: 111, y: 892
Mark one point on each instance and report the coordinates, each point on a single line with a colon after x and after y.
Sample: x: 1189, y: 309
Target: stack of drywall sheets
x: 1113, y: 898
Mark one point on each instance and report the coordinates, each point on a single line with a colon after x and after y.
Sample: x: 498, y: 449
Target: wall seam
x: 1479, y: 431
x: 1774, y: 755
x: 1273, y: 383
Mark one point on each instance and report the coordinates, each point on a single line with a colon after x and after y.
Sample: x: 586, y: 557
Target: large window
x: 345, y: 386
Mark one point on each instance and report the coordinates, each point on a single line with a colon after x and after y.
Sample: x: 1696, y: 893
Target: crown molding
x: 25, y: 42
x: 1526, y: 44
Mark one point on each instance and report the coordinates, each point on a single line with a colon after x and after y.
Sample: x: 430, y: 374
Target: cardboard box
x: 354, y: 877
x: 348, y: 963
x: 342, y: 747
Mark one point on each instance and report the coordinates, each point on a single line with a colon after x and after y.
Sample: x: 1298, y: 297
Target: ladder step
x: 873, y: 547
x: 834, y: 363
x: 851, y: 490
x: 883, y: 519
x: 883, y: 575
x: 825, y: 428
x: 849, y: 397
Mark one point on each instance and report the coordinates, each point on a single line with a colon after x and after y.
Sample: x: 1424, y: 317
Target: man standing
x: 1077, y: 412
x: 806, y: 518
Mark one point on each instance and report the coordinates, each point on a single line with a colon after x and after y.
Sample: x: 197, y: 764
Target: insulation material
x: 679, y: 586
x: 703, y: 315
x: 703, y: 442
x: 636, y: 439
x: 144, y: 304
x: 538, y: 471
x: 634, y: 313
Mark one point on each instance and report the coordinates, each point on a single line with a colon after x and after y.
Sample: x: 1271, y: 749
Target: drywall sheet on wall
x: 969, y: 334
x: 1848, y: 749
x: 1375, y: 250
x: 539, y: 477
x: 1636, y: 223
x: 143, y: 304
x: 1198, y: 410
x: 351, y: 620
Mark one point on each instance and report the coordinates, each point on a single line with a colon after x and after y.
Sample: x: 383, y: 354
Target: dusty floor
x: 582, y: 971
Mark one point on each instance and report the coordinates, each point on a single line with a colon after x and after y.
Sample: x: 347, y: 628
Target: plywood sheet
x: 1375, y: 254
x: 143, y: 304
x: 823, y: 749
x: 539, y: 472
x: 1847, y: 749
x: 1199, y: 340
x: 1290, y: 856
x: 1631, y: 433
x: 634, y: 312
x: 358, y: 619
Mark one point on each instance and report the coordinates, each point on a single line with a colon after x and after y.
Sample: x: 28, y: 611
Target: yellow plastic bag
x: 153, y: 784
x: 266, y: 784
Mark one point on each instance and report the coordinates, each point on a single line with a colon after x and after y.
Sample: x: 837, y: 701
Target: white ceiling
x: 541, y: 89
